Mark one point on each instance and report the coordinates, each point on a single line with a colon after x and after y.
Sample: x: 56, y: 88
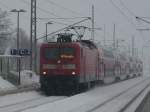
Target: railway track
x: 34, y: 104
x: 130, y: 102
x: 111, y: 101
x: 30, y: 103
x: 105, y: 105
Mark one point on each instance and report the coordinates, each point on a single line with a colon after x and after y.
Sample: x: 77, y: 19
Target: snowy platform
x: 28, y: 77
x: 5, y: 85
x: 101, y: 99
x: 104, y: 98
x: 29, y: 81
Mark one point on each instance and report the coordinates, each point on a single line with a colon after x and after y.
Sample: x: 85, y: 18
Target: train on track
x: 72, y: 66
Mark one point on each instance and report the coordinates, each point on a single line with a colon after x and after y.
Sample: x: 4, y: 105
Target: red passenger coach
x: 66, y: 65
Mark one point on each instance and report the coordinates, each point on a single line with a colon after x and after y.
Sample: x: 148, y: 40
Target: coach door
x: 101, y: 69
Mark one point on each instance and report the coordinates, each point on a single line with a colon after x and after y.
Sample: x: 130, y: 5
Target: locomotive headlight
x: 44, y: 73
x: 73, y: 73
x: 58, y: 61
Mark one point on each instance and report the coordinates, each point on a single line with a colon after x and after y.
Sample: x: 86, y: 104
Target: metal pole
x: 19, y: 63
x: 104, y: 34
x: 143, y: 52
x: 35, y: 40
x: 46, y: 31
x: 33, y: 49
x: 18, y: 31
x: 31, y: 46
x: 129, y: 49
x: 93, y: 23
x: 1, y: 66
x: 133, y: 46
x: 117, y: 44
x: 114, y: 37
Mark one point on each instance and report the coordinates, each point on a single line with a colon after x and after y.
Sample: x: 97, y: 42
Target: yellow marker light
x: 67, y: 56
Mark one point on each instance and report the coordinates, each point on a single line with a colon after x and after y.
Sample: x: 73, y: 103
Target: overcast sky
x: 108, y: 12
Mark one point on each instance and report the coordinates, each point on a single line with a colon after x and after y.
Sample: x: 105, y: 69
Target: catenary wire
x: 41, y: 9
x: 129, y: 11
x: 62, y: 7
x: 121, y: 12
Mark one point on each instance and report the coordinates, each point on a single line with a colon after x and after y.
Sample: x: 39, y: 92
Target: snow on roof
x: 10, y: 56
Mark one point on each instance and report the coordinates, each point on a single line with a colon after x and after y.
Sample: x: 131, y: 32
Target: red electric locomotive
x: 67, y: 65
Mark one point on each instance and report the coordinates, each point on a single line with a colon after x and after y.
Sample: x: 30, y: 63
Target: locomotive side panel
x: 89, y: 65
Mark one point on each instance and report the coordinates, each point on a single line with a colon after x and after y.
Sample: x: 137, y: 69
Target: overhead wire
x: 65, y: 28
x: 121, y: 12
x: 61, y: 18
x: 46, y: 11
x: 61, y: 23
x: 41, y: 9
x: 129, y: 11
x: 62, y: 7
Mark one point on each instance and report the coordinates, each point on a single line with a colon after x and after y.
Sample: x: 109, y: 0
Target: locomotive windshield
x: 56, y: 53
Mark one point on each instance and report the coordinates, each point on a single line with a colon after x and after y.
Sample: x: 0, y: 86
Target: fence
x: 10, y: 67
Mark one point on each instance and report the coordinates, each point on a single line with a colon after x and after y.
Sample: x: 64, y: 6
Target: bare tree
x: 5, y: 30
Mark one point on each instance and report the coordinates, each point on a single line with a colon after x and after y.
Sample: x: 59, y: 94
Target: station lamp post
x: 18, y: 19
x: 47, y: 28
x: 18, y: 11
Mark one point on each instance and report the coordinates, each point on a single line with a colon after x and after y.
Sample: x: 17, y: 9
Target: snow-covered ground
x: 5, y: 85
x: 36, y: 102
x: 21, y: 101
x: 86, y: 101
x: 137, y: 102
x: 28, y: 77
x: 29, y: 81
x: 120, y: 102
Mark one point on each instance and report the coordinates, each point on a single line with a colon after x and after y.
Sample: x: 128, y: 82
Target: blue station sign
x: 21, y: 52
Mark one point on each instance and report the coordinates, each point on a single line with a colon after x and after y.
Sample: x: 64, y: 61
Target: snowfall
x: 35, y: 101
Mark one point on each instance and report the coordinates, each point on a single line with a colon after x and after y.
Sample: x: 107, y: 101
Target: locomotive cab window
x: 51, y: 53
x: 56, y: 53
x: 67, y: 52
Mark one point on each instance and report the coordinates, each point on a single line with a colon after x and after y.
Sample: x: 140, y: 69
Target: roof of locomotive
x: 86, y: 43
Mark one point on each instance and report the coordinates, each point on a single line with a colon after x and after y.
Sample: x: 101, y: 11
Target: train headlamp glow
x: 44, y: 73
x: 58, y: 61
x: 73, y: 73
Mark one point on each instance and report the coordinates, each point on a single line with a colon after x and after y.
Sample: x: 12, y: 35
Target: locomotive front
x: 59, y: 66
